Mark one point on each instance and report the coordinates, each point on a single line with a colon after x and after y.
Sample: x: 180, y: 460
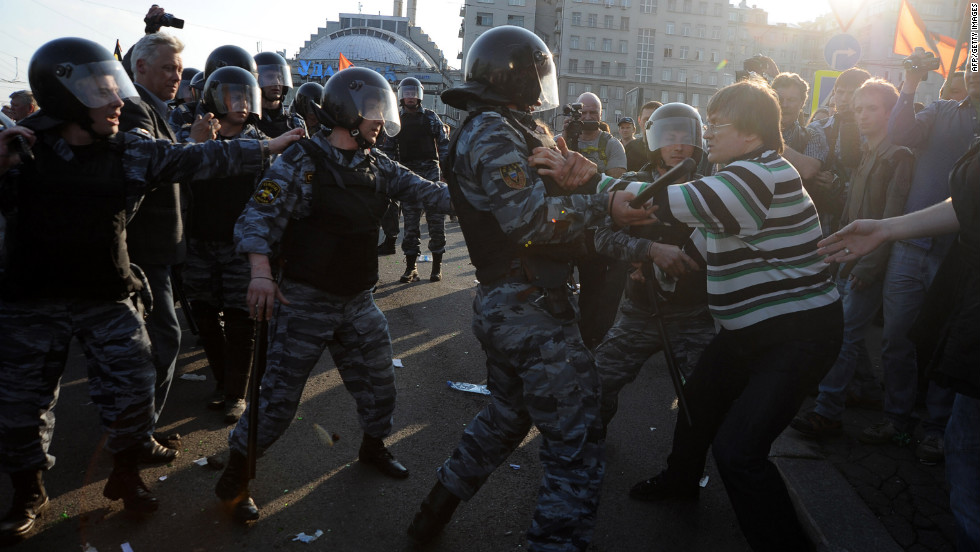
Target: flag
x: 911, y: 32
x: 344, y: 63
x: 118, y: 54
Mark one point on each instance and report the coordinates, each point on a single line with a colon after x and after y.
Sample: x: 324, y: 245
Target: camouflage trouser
x: 216, y: 275
x: 356, y: 333
x: 539, y: 372
x: 635, y: 337
x: 34, y: 340
x: 435, y: 223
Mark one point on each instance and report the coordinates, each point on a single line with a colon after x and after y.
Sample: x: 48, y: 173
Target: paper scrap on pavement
x: 704, y: 481
x: 202, y: 461
x: 515, y: 466
x: 163, y: 478
x: 193, y: 377
x: 89, y: 548
x: 468, y: 387
x: 397, y: 362
x: 303, y: 537
x: 126, y: 547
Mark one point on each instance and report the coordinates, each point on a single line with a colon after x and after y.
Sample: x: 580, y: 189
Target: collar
x: 966, y: 102
x: 159, y: 105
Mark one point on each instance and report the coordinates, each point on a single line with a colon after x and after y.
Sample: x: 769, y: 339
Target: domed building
x: 390, y: 45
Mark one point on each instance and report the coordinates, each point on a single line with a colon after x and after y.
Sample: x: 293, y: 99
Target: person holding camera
x: 939, y: 134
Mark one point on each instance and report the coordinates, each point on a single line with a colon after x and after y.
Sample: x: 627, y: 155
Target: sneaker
x: 883, y: 433
x: 815, y: 426
x: 931, y: 450
x: 234, y: 408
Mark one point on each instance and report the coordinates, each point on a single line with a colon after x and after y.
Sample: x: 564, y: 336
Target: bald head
x: 591, y: 107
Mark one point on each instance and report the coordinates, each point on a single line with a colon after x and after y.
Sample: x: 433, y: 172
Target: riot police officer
x: 521, y: 239
x: 420, y: 146
x: 322, y: 202
x: 275, y: 80
x: 68, y: 273
x: 222, y: 56
x: 304, y: 105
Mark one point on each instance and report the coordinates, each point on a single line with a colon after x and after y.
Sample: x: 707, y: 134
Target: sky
x: 256, y: 26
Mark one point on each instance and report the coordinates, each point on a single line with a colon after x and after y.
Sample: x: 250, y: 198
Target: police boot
x: 30, y: 499
x: 436, y: 274
x: 387, y: 247
x: 124, y: 482
x: 433, y: 514
x: 232, y: 489
x: 373, y: 452
x: 411, y: 273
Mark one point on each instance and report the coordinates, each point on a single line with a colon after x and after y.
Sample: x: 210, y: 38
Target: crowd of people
x: 765, y: 250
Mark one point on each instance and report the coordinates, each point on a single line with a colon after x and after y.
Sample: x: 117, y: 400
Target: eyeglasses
x: 714, y: 128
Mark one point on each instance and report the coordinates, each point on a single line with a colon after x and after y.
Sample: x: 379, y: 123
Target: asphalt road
x: 305, y: 485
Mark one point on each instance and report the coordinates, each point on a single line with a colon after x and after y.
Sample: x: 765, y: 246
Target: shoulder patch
x: 308, y: 177
x: 267, y: 192
x: 513, y: 176
x: 143, y: 133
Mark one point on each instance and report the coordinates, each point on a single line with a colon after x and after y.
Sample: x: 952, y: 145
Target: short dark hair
x: 853, y: 77
x: 753, y: 107
x: 25, y: 95
x: 791, y: 79
x: 884, y: 90
x: 652, y: 104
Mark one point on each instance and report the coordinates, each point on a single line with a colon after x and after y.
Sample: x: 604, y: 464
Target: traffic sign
x: 823, y: 85
x: 842, y: 52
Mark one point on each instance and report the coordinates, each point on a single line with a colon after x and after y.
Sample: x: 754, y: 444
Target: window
x: 695, y: 99
x: 621, y: 70
x: 732, y: 16
x: 701, y: 31
x: 681, y: 98
x: 486, y: 1
x: 607, y: 21
x: 649, y: 6
x: 619, y: 92
x: 516, y: 20
x: 589, y: 67
x: 686, y: 30
x: 577, y: 19
x: 729, y: 80
x: 573, y: 43
x: 516, y: 2
x: 586, y: 88
x: 696, y: 77
x: 670, y: 28
x: 623, y: 47
x: 624, y: 23
x: 683, y: 52
x: 682, y: 75
x: 714, y: 56
x: 484, y: 19
x: 717, y: 10
x: 731, y: 33
x: 699, y: 55
x: 573, y: 66
x: 703, y: 8
x: 668, y: 51
x: 604, y: 68
x: 572, y: 89
x: 607, y: 45
x: 688, y: 6
x: 671, y: 5
x: 590, y: 43
x: 665, y: 76
x: 593, y: 19
x: 604, y: 92
x: 664, y: 98
x: 644, y: 55
x: 715, y: 33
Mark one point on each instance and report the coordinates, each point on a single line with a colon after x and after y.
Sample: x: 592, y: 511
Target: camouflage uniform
x: 635, y: 336
x: 43, y: 307
x: 539, y: 371
x: 276, y: 122
x: 349, y: 324
x: 182, y: 115
x: 215, y: 277
x: 426, y: 168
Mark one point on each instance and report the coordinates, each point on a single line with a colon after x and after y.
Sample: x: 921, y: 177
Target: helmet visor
x: 237, y: 98
x: 376, y: 104
x: 547, y: 78
x: 410, y: 91
x: 271, y: 75
x: 671, y: 131
x: 97, y: 84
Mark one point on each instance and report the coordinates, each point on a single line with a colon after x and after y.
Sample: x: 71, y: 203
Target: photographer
x: 596, y: 145
x: 939, y: 134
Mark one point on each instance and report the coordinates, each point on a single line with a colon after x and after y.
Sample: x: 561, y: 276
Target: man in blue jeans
x: 940, y: 134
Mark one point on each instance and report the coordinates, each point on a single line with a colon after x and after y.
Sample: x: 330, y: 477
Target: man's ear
x: 141, y: 66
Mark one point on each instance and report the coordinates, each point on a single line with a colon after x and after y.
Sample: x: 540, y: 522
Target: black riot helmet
x: 197, y: 85
x: 184, y: 92
x: 231, y: 89
x: 670, y: 125
x: 229, y: 55
x: 507, y: 65
x: 410, y: 88
x: 355, y: 94
x: 273, y: 70
x: 306, y: 102
x: 69, y: 76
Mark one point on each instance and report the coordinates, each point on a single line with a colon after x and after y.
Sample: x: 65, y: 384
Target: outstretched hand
x: 854, y: 240
x: 279, y: 144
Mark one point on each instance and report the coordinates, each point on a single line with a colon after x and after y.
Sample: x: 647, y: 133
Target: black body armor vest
x: 335, y: 247
x: 216, y: 205
x: 67, y: 231
x: 274, y: 123
x: 415, y: 140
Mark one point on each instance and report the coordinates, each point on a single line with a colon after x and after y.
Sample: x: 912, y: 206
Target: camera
x: 165, y: 20
x: 921, y: 60
x: 576, y: 126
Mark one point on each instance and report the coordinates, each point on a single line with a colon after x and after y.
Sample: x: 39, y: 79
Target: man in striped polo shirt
x: 777, y: 306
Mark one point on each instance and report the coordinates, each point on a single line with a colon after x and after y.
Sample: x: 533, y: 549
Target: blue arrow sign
x: 842, y: 52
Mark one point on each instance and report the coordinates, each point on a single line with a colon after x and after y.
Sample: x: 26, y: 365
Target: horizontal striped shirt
x: 761, y: 232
